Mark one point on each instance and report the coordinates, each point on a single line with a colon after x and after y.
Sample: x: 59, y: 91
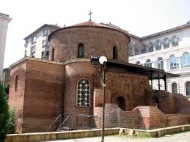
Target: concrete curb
x: 47, y: 136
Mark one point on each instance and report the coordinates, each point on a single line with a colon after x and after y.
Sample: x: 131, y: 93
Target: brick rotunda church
x: 67, y: 89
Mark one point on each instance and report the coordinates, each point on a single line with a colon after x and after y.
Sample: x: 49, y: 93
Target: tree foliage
x: 4, y: 114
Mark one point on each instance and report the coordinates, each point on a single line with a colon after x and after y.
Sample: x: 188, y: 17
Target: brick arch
x: 115, y: 96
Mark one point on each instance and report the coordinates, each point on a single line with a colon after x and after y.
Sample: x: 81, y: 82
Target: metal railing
x: 78, y: 121
x: 55, y: 124
x: 73, y: 122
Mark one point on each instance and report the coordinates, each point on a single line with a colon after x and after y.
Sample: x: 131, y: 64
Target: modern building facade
x: 4, y: 21
x: 37, y: 44
x: 168, y: 50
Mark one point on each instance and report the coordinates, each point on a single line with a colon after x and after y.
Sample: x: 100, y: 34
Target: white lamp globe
x: 102, y: 59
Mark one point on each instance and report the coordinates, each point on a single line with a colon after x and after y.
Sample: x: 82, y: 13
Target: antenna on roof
x: 90, y: 14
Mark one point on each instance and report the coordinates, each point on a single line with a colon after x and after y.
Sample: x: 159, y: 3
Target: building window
x: 185, y: 60
x: 52, y: 54
x: 47, y: 53
x: 138, y: 63
x: 173, y: 62
x: 34, y: 39
x: 43, y: 43
x: 32, y: 51
x: 158, y: 45
x: 83, y: 93
x: 175, y: 41
x: 143, y: 49
x: 166, y: 42
x: 174, y: 88
x: 187, y: 86
x: 16, y: 83
x: 136, y: 49
x: 80, y: 51
x: 115, y: 53
x: 148, y: 63
x: 130, y: 51
x: 160, y: 63
x: 150, y: 47
x: 45, y: 32
x: 42, y: 54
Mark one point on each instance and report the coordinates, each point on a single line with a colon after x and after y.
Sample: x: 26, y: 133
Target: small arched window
x: 83, y: 93
x: 158, y: 45
x: 138, y: 63
x: 52, y: 54
x: 143, y: 49
x: 174, y: 88
x: 166, y: 42
x: 80, y: 51
x: 185, y: 60
x: 16, y: 83
x: 175, y: 40
x: 173, y: 62
x: 148, y: 63
x: 150, y: 47
x: 115, y: 53
x: 160, y: 63
x: 187, y: 86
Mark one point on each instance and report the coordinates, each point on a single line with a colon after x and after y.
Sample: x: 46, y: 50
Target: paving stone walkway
x: 180, y: 137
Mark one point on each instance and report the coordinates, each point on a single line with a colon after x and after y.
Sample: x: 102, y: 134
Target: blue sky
x: 139, y: 17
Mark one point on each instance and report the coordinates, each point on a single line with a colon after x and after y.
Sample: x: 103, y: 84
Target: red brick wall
x: 129, y: 86
x: 42, y: 91
x: 74, y: 71
x: 142, y: 117
x: 16, y: 97
x: 97, y: 41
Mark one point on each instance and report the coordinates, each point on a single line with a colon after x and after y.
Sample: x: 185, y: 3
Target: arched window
x: 187, y: 86
x: 83, y: 93
x: 16, y: 83
x: 143, y: 49
x: 175, y: 40
x: 115, y: 53
x: 150, y: 47
x: 148, y: 63
x: 136, y: 49
x: 131, y: 50
x: 173, y: 62
x: 158, y: 45
x: 52, y: 54
x: 174, y: 88
x: 166, y: 42
x: 138, y: 63
x: 160, y: 63
x: 185, y: 60
x: 80, y: 51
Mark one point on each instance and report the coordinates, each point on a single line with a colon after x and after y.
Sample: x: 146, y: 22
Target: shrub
x: 4, y: 114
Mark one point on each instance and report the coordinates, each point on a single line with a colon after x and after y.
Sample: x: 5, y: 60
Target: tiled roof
x: 90, y: 23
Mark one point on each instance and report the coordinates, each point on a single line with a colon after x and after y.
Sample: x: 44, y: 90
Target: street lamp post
x: 102, y: 61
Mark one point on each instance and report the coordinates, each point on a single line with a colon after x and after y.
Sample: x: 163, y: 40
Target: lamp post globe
x: 102, y: 60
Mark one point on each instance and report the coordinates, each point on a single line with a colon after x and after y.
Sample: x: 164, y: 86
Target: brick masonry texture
x: 97, y: 42
x: 41, y: 90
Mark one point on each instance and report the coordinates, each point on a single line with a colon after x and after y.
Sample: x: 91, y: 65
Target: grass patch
x: 141, y: 135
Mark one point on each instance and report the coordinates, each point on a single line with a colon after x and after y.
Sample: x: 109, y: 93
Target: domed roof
x: 90, y: 23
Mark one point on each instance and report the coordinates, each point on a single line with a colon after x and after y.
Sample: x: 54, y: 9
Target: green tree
x: 4, y: 114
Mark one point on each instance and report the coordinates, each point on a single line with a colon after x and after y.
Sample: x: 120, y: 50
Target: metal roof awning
x: 152, y: 73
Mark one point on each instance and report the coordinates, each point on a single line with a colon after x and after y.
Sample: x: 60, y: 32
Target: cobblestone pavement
x: 180, y: 137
